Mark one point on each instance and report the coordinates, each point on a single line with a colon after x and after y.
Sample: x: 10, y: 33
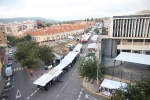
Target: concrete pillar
x: 132, y: 41
x: 144, y: 42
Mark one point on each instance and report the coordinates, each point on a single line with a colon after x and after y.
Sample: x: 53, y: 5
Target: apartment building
x: 127, y: 34
x: 3, y: 37
x: 18, y: 28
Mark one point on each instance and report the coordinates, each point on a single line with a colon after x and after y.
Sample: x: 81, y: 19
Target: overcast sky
x: 70, y: 9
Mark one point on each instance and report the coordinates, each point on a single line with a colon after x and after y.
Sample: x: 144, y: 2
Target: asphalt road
x: 68, y: 88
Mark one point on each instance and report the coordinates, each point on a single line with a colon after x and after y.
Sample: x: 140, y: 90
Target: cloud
x: 70, y: 9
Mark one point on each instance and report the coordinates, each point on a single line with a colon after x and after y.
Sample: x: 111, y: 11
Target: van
x: 9, y: 71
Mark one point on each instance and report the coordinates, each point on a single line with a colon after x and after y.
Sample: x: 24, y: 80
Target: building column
x: 132, y: 41
x: 144, y: 42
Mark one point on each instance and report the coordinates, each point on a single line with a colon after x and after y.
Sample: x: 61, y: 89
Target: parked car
x: 9, y: 46
x: 9, y: 71
x: 10, y: 53
x: 9, y: 63
x: 10, y: 58
x: 71, y: 37
x: 90, y: 54
x: 70, y: 45
x: 60, y: 41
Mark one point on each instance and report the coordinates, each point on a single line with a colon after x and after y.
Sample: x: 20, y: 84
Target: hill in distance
x: 20, y: 19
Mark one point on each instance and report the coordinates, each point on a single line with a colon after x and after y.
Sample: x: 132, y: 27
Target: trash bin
x: 46, y: 67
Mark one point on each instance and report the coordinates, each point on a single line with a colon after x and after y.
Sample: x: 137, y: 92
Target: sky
x: 61, y: 10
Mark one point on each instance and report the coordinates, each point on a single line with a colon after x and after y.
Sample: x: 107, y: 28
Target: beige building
x: 128, y: 34
x: 18, y: 28
x: 3, y: 37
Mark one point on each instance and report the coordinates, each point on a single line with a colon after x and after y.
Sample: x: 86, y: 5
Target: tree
x: 27, y: 54
x: 87, y: 19
x: 27, y: 37
x: 88, y: 68
x: 46, y: 54
x: 48, y: 24
x: 139, y: 91
x: 96, y: 30
x: 104, y: 31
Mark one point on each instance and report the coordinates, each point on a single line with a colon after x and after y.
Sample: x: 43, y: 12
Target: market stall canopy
x: 134, y: 58
x: 92, y: 46
x: 78, y: 47
x: 111, y: 84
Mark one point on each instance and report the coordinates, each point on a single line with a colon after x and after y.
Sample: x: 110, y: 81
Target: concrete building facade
x: 3, y: 37
x: 131, y: 33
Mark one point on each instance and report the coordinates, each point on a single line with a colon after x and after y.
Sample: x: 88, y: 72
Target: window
x: 138, y: 40
x: 129, y: 40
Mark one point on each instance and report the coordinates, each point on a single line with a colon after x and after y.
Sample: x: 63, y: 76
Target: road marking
x: 79, y: 96
x: 57, y: 95
x: 90, y: 97
x: 32, y: 94
x: 69, y: 78
x: 80, y: 92
x: 16, y: 69
x: 82, y: 89
x: 74, y: 72
x: 27, y: 98
x: 64, y: 86
x: 18, y: 94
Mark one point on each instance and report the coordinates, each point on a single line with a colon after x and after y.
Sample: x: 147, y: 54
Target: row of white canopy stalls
x: 134, y: 58
x: 94, y: 39
x: 78, y: 48
x: 85, y: 38
x: 107, y: 86
x: 47, y: 79
x: 92, y: 47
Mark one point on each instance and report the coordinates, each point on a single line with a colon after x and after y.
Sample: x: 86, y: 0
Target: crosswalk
x: 19, y: 68
x: 83, y: 55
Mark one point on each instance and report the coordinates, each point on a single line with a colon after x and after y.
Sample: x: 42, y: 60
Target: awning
x: 134, y: 58
x: 111, y: 84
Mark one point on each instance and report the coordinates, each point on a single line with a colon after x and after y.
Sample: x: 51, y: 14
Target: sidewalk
x: 37, y: 73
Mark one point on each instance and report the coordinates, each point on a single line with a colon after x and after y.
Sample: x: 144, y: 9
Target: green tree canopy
x: 27, y: 37
x: 27, y: 54
x: 46, y: 54
x: 96, y: 30
x: 139, y: 91
x: 104, y: 31
x: 88, y: 68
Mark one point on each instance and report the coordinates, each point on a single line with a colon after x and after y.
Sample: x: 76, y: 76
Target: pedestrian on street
x: 31, y: 74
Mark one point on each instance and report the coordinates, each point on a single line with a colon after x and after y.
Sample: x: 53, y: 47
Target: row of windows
x: 131, y: 27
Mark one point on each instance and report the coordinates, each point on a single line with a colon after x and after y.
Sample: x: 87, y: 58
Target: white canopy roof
x: 94, y: 38
x: 70, y: 56
x: 134, y: 58
x: 78, y: 47
x: 111, y: 84
x: 86, y: 37
x: 62, y: 65
x: 44, y: 79
x: 92, y: 45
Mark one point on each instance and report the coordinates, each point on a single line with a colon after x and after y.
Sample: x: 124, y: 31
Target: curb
x: 94, y: 92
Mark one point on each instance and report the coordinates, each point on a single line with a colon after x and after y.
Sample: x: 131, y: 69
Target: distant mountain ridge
x: 20, y: 19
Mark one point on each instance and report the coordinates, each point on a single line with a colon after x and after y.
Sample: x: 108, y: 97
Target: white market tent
x: 78, y: 47
x: 44, y: 79
x: 86, y: 38
x: 70, y: 56
x: 94, y: 38
x: 111, y: 84
x: 134, y: 58
x: 62, y: 65
x: 92, y: 46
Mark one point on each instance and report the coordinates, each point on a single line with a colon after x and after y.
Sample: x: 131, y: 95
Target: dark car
x: 10, y: 58
x: 90, y: 54
x: 9, y: 46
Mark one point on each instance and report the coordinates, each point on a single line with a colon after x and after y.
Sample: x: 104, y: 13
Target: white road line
x: 80, y: 92
x: 27, y: 98
x: 64, y: 86
x: 74, y: 72
x: 16, y: 69
x: 82, y: 89
x: 32, y: 94
x: 35, y: 91
x: 79, y: 96
x: 69, y: 78
x: 57, y: 95
x: 78, y: 99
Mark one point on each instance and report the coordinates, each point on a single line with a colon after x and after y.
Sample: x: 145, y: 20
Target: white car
x: 69, y: 45
x: 10, y: 53
x: 71, y: 37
